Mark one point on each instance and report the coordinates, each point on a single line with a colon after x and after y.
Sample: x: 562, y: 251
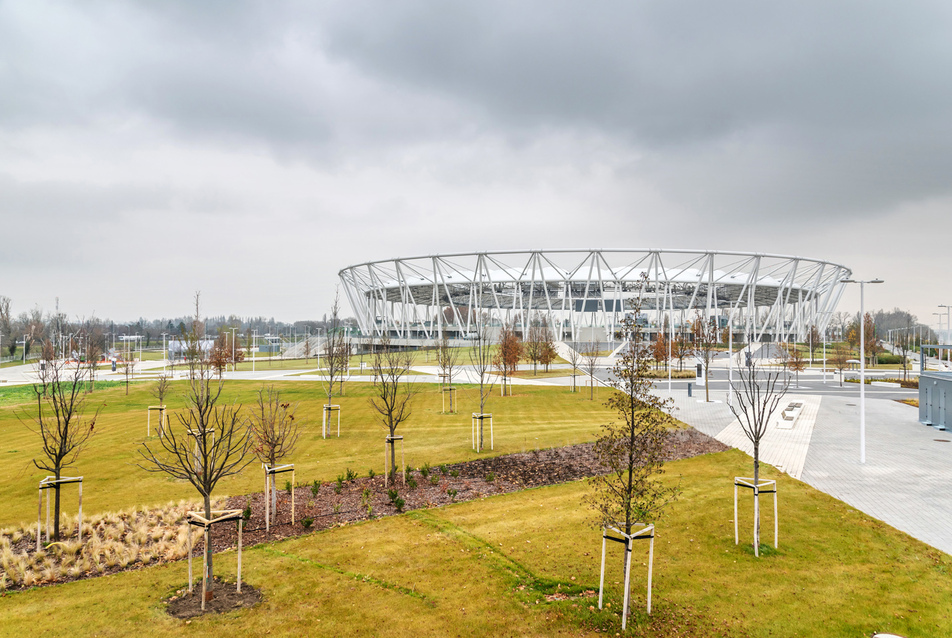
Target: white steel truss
x: 764, y: 297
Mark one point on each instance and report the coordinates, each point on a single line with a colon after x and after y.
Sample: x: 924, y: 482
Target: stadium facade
x: 761, y: 297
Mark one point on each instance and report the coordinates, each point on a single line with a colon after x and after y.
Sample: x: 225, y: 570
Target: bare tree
x: 904, y: 343
x: 533, y: 344
x: 590, y: 363
x: 447, y: 357
x: 814, y: 341
x: 274, y: 433
x: 63, y: 417
x: 212, y: 440
x: 547, y: 353
x: 336, y: 352
x: 705, y: 347
x: 392, y: 391
x: 795, y: 361
x: 128, y: 370
x: 757, y: 396
x: 481, y: 358
x: 575, y: 360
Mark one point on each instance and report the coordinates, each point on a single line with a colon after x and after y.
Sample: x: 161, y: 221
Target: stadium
x: 584, y: 294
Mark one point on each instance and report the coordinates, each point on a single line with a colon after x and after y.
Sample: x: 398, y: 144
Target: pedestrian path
x: 906, y: 481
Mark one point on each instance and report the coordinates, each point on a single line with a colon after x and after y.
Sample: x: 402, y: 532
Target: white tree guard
x: 646, y: 532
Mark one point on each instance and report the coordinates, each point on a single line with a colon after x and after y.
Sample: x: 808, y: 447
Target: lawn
x: 500, y: 565
x: 533, y: 417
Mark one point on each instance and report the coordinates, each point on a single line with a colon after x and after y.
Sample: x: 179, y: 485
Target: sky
x: 250, y: 150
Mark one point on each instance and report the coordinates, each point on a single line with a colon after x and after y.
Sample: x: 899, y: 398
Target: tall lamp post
x: 862, y: 362
x: 948, y: 329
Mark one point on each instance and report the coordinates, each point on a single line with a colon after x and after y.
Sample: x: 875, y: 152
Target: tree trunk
x: 756, y: 499
x: 274, y: 498
x: 393, y: 459
x: 56, y: 509
x: 208, y: 549
x: 707, y: 386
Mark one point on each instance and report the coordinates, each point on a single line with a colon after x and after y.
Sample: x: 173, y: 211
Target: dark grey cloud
x: 321, y: 134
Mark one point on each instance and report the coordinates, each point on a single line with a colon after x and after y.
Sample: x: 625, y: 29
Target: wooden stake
x: 240, y: 525
x: 190, y: 579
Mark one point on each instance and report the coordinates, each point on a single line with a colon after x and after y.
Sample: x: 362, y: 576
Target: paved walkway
x: 905, y: 482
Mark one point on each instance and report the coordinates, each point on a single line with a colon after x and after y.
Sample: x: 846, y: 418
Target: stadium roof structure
x: 766, y: 297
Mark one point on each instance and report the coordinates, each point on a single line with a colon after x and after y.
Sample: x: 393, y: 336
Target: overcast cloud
x: 252, y: 149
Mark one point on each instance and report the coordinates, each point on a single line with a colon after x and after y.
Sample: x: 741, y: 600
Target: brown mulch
x: 475, y: 479
x: 224, y: 598
x: 472, y: 480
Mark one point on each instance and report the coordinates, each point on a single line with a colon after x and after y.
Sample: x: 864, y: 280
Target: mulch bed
x: 509, y: 473
x: 460, y: 482
x: 225, y: 597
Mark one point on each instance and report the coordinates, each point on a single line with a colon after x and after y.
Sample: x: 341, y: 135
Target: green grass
x: 533, y: 417
x: 484, y: 568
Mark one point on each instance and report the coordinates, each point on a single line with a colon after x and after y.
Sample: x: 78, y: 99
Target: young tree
x: 840, y: 359
x: 705, y: 347
x: 575, y: 360
x: 447, y: 357
x: 630, y: 450
x: 336, y: 352
x: 212, y: 440
x: 871, y: 342
x: 392, y: 391
x: 274, y: 433
x: 814, y: 341
x: 852, y: 335
x: 904, y: 345
x: 508, y: 354
x: 220, y: 355
x: 532, y: 346
x: 757, y: 396
x: 659, y: 350
x: 481, y: 357
x: 795, y: 361
x: 682, y: 348
x: 63, y: 418
x: 128, y: 369
x: 548, y: 353
x: 590, y: 364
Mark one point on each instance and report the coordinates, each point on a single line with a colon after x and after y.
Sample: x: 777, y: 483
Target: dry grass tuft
x: 113, y: 540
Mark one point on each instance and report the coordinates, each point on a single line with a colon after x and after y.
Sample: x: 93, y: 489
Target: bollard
x: 690, y: 387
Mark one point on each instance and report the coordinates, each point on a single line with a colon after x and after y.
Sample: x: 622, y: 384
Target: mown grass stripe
x: 364, y: 578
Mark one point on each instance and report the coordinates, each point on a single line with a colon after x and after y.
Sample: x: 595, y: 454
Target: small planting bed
x: 185, y: 604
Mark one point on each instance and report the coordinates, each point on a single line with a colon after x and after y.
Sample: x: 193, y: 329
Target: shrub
x: 399, y: 503
x: 315, y: 487
x: 351, y: 475
x: 454, y: 473
x: 443, y: 470
x: 392, y: 495
x: 490, y: 477
x: 889, y: 358
x: 425, y: 470
x: 246, y: 513
x: 338, y: 487
x: 288, y: 487
x: 411, y: 483
x: 434, y: 480
x: 408, y: 473
x: 371, y: 473
x: 365, y: 497
x: 452, y: 494
x: 307, y: 521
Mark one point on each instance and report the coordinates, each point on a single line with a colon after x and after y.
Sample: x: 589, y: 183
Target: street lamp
x: 947, y: 330
x: 862, y: 362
